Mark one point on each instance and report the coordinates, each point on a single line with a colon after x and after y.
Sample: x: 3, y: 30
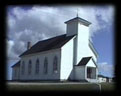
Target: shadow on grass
x: 61, y: 87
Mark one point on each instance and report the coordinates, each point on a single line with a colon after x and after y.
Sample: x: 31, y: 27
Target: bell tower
x: 79, y: 27
x: 73, y: 25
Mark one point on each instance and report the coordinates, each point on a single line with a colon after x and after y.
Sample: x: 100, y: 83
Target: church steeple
x: 73, y: 25
x: 79, y: 27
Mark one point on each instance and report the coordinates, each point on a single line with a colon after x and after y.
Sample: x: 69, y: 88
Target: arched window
x: 15, y: 72
x: 37, y: 67
x: 29, y: 67
x: 23, y: 68
x: 45, y: 65
x: 55, y: 64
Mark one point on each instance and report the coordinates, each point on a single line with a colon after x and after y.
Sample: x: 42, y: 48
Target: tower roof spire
x: 77, y: 13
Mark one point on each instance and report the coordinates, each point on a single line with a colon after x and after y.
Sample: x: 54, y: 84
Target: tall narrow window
x: 29, y: 67
x: 45, y: 65
x: 37, y: 67
x: 15, y: 72
x: 55, y: 64
x: 23, y: 68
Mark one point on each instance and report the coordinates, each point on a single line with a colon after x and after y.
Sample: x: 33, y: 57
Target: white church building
x: 70, y: 56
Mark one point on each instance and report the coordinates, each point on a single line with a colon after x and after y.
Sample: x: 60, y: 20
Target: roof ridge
x: 52, y: 37
x: 48, y: 39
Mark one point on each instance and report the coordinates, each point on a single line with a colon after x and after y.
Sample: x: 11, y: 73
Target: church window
x: 29, y: 67
x: 37, y: 67
x: 23, y: 68
x: 15, y: 72
x: 45, y: 65
x: 55, y: 64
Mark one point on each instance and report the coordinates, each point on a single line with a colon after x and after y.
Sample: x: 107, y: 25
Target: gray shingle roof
x: 83, y: 21
x: 16, y: 65
x: 52, y: 43
x: 84, y: 61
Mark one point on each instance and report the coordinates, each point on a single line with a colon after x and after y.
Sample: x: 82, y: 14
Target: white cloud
x: 10, y: 44
x: 106, y: 69
x: 11, y: 53
x: 41, y: 22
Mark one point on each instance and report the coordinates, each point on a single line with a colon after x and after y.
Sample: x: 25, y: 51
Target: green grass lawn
x: 108, y: 86
x: 63, y: 87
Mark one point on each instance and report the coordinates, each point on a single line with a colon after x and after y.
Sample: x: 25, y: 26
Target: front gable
x: 91, y: 63
x: 87, y: 61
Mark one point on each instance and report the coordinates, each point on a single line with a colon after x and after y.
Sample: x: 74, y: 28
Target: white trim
x: 68, y: 41
x: 94, y: 62
x: 93, y: 49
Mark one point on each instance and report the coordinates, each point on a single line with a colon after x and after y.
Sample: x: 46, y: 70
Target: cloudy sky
x: 35, y: 23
